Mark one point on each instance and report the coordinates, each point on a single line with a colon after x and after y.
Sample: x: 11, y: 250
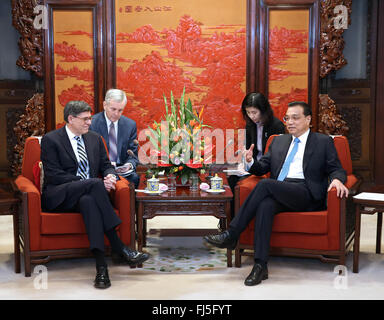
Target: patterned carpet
x: 182, y: 255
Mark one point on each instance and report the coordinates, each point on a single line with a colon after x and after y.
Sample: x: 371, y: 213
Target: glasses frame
x: 84, y: 118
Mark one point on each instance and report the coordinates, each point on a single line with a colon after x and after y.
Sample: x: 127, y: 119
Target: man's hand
x: 341, y: 189
x: 248, y: 154
x: 110, y: 182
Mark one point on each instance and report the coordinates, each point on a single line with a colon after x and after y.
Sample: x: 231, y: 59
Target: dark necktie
x: 284, y: 170
x: 83, y: 159
x: 112, y: 143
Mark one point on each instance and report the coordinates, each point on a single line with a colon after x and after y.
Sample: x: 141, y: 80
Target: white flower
x: 176, y: 161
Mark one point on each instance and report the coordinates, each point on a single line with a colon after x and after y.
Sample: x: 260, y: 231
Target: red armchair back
x: 44, y: 235
x: 319, y: 234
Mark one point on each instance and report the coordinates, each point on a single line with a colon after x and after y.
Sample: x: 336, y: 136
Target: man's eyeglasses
x: 85, y: 119
x: 294, y: 118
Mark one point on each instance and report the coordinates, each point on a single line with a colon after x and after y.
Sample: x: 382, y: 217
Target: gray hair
x: 74, y: 108
x: 116, y: 95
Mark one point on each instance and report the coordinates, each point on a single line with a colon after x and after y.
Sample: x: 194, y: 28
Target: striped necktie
x: 112, y: 143
x: 83, y: 159
x: 284, y: 170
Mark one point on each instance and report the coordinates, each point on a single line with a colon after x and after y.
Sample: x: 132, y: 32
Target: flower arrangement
x: 176, y: 140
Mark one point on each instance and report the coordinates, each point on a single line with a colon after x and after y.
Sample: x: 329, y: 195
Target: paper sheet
x: 370, y: 196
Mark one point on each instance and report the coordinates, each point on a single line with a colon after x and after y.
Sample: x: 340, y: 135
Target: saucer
x: 153, y: 192
x: 215, y: 191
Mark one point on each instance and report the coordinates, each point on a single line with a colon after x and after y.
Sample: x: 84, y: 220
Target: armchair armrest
x: 123, y: 199
x: 336, y: 218
x: 34, y: 198
x: 31, y: 210
x: 353, y: 184
x: 245, y: 187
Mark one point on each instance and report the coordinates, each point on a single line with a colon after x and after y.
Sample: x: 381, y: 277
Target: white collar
x: 70, y: 134
x: 303, y: 138
x: 109, y: 121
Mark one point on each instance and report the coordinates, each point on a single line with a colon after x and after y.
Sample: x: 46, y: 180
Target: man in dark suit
x: 73, y: 159
x: 300, y: 164
x: 120, y: 134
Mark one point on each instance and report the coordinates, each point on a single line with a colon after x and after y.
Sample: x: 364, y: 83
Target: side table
x: 368, y: 203
x: 9, y: 205
x: 182, y: 202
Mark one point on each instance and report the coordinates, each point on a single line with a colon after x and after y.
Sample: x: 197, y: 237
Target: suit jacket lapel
x: 309, y: 148
x: 104, y: 129
x: 121, y: 132
x: 284, y: 150
x: 67, y: 144
x: 89, y: 152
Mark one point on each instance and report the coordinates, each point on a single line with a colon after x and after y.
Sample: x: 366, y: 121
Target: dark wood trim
x: 252, y: 45
x: 110, y: 46
x: 379, y: 97
x: 257, y: 50
x: 97, y: 8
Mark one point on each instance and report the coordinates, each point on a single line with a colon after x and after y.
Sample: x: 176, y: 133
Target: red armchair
x: 45, y: 236
x: 318, y: 234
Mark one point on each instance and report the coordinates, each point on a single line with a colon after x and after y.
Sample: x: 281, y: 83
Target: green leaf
x: 166, y: 104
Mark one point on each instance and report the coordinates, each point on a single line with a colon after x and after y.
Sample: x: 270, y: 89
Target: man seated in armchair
x: 73, y: 159
x: 300, y: 164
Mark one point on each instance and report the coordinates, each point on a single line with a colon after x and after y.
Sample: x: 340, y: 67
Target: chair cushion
x: 62, y: 223
x: 314, y: 222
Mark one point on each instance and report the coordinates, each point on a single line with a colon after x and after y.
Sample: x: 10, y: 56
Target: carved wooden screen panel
x: 283, y: 56
x: 167, y: 45
x: 74, y: 57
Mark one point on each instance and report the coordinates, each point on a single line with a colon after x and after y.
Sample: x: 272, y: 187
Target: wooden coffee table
x: 9, y: 205
x: 183, y: 202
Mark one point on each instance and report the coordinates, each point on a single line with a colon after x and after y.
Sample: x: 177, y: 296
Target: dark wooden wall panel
x: 379, y: 131
x: 100, y: 51
x: 258, y: 46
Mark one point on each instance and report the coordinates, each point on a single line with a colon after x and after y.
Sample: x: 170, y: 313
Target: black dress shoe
x: 130, y: 257
x: 257, y: 274
x: 221, y: 240
x: 102, y: 278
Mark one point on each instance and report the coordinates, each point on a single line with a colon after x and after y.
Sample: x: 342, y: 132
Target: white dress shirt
x: 259, y: 145
x: 296, y: 167
x: 73, y: 141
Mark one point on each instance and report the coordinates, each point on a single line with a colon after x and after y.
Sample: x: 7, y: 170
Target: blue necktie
x: 284, y: 170
x: 83, y: 160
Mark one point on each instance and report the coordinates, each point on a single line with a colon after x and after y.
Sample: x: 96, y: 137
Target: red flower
x: 193, y: 165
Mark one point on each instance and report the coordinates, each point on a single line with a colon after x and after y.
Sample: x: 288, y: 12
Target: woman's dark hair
x: 257, y: 100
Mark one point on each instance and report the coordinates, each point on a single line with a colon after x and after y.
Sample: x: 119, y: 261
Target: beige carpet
x: 289, y: 278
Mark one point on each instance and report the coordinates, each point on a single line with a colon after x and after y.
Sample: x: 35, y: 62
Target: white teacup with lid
x: 153, y: 184
x: 216, y: 183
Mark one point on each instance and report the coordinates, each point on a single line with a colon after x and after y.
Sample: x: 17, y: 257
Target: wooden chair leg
x: 237, y: 258
x: 378, y: 232
x: 27, y: 264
